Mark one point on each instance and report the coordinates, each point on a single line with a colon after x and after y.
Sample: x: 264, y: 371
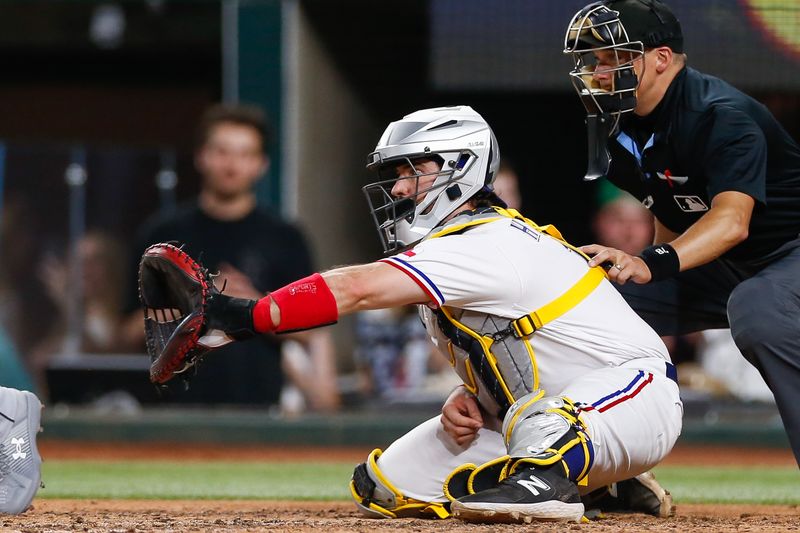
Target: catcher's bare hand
x: 621, y: 267
x: 461, y: 416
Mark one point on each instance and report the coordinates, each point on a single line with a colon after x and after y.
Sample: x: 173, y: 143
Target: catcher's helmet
x: 463, y: 145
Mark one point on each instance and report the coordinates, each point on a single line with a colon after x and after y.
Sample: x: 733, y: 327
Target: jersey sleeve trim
x: 419, y: 278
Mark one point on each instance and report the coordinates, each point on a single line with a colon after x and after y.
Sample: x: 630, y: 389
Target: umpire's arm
x: 724, y: 226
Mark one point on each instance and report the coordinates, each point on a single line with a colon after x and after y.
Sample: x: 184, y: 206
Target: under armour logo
x: 19, y: 454
x: 534, y: 484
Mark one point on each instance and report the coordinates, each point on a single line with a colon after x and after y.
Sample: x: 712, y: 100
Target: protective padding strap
x: 573, y: 451
x: 526, y: 325
x: 535, y: 398
x: 304, y: 304
x: 456, y: 484
x: 575, y: 456
x: 529, y: 323
x: 469, y: 479
x: 404, y: 507
x: 481, y: 360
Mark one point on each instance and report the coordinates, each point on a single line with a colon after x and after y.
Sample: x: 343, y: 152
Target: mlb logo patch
x: 690, y: 204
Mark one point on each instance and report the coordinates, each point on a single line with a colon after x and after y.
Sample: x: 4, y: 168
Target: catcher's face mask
x: 404, y: 189
x: 428, y: 164
x: 604, y: 76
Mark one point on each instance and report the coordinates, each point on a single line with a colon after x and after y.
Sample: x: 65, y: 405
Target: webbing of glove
x: 174, y: 290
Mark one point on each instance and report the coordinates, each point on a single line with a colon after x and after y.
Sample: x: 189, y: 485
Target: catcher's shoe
x: 20, y: 462
x: 641, y: 494
x: 527, y: 495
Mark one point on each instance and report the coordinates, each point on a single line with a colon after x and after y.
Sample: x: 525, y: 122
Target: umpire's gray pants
x: 762, y: 308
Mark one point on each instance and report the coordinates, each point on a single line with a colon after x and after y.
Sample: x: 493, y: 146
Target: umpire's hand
x: 461, y: 416
x: 621, y: 267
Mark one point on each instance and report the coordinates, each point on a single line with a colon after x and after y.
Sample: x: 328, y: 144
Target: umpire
x: 721, y: 177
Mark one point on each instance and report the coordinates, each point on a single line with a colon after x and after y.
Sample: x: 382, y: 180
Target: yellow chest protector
x: 487, y: 352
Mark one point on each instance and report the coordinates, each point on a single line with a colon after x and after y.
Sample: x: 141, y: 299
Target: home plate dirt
x: 129, y: 516
x: 133, y: 516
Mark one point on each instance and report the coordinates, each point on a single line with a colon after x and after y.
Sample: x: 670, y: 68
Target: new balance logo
x: 533, y: 484
x: 19, y: 454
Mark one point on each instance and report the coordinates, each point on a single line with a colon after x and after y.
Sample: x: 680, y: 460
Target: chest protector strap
x: 478, y: 345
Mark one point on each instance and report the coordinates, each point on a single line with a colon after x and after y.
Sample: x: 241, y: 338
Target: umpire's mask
x: 609, y: 37
x: 596, y: 29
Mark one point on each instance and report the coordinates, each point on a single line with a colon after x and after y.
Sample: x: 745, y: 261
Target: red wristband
x: 304, y: 304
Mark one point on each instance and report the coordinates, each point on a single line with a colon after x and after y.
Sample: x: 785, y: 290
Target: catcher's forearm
x: 305, y: 304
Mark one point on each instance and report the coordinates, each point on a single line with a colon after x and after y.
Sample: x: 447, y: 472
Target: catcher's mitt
x: 174, y: 290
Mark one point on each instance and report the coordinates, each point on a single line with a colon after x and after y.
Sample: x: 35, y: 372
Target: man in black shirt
x: 721, y: 177
x: 254, y: 252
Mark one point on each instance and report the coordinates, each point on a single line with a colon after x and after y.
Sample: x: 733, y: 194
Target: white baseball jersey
x: 599, y: 353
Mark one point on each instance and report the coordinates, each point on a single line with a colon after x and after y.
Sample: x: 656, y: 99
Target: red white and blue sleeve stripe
x: 419, y: 277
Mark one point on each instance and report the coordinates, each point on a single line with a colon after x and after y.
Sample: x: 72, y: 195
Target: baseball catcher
x: 565, y: 389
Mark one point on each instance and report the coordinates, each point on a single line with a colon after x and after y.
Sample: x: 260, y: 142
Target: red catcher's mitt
x: 174, y: 290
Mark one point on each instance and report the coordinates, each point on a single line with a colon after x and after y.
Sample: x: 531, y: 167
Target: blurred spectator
x: 12, y: 372
x: 395, y: 356
x: 20, y: 295
x: 103, y: 272
x: 506, y: 186
x: 622, y: 222
x: 254, y: 252
x: 721, y: 361
x: 102, y: 286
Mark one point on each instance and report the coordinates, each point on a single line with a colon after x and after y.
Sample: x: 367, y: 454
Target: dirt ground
x: 239, y: 516
x: 331, y: 517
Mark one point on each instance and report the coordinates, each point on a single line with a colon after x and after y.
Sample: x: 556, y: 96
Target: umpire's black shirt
x: 704, y: 138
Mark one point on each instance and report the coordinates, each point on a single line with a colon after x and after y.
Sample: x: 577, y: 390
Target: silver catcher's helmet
x: 460, y: 141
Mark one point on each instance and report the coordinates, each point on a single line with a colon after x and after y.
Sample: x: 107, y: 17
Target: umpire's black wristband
x: 662, y: 260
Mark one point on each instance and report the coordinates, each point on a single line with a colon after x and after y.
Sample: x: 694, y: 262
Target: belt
x: 672, y: 372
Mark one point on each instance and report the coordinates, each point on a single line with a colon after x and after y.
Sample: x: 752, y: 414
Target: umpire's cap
x: 650, y: 21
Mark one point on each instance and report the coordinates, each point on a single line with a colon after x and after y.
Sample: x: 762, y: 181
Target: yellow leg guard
x: 377, y: 497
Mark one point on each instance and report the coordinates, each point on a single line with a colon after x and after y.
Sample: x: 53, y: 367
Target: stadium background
x: 99, y: 99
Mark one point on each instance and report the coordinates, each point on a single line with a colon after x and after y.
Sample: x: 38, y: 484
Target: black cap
x: 649, y: 21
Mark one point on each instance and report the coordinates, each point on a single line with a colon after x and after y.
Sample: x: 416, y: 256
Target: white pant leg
x: 633, y: 418
x: 418, y: 462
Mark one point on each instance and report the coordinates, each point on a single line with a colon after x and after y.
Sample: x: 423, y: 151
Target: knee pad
x: 376, y: 497
x: 546, y: 431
